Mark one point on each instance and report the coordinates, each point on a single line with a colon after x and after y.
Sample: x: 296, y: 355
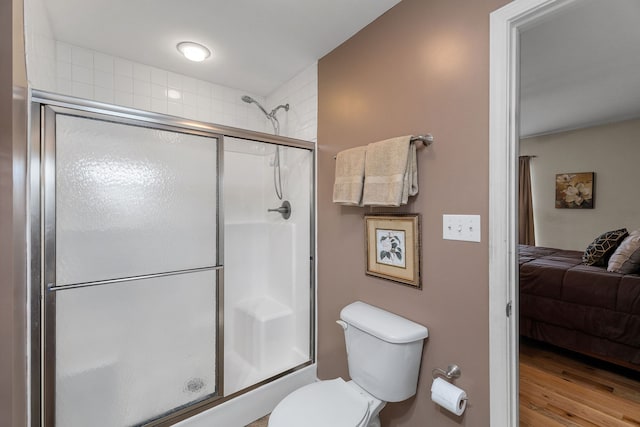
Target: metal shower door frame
x: 47, y: 289
x: 41, y: 241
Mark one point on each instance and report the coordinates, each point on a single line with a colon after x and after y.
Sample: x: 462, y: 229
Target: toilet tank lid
x: 383, y: 324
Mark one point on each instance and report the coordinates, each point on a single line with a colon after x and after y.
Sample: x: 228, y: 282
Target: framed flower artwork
x: 392, y: 245
x: 575, y: 190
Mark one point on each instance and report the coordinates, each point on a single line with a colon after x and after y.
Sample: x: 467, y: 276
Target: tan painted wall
x: 421, y: 67
x: 612, y: 152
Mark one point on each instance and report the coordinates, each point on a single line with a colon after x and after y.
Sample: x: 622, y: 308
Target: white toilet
x: 383, y: 353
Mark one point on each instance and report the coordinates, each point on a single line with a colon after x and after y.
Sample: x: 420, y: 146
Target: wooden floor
x: 558, y: 389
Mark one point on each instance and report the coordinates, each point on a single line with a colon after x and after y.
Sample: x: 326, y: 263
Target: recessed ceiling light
x: 193, y: 51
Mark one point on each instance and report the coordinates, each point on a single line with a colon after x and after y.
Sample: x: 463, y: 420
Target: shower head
x: 270, y: 116
x: 250, y: 100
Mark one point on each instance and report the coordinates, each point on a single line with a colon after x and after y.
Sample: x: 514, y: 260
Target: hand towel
x: 347, y: 187
x: 411, y: 175
x: 389, y: 172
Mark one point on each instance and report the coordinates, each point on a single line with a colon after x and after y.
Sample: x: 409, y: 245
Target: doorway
x: 507, y: 26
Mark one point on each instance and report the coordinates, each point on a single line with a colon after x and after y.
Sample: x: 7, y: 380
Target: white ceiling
x: 581, y: 67
x: 258, y: 44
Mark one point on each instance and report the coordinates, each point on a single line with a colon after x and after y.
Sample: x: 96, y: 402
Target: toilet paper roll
x: 450, y: 397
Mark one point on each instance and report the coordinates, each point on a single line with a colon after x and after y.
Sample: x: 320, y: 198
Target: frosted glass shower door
x: 132, y: 201
x: 131, y: 270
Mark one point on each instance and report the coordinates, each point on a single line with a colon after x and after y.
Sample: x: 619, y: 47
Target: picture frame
x: 575, y: 190
x: 392, y: 247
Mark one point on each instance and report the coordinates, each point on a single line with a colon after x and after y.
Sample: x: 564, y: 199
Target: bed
x: 578, y: 307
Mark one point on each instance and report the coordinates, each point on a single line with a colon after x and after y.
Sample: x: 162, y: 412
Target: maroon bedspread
x: 578, y: 307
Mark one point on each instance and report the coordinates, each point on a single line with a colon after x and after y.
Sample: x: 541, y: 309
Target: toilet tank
x: 383, y: 351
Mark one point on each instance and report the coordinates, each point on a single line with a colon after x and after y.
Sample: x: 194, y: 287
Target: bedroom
x: 552, y: 311
x: 580, y: 112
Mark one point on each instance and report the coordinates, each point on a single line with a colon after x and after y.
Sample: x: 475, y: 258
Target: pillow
x: 599, y: 251
x: 626, y: 259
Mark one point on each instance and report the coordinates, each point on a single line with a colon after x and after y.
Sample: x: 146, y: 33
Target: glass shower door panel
x: 267, y: 262
x: 132, y: 200
x: 131, y: 351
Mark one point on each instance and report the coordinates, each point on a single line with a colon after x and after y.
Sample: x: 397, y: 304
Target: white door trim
x: 506, y: 24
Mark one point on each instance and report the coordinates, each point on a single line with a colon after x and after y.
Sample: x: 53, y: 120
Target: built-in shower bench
x: 265, y: 326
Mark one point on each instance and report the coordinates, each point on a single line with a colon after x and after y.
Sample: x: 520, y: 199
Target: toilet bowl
x: 334, y: 403
x: 384, y: 352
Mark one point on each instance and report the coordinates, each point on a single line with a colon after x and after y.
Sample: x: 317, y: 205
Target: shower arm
x: 274, y: 120
x: 271, y: 117
x: 275, y: 110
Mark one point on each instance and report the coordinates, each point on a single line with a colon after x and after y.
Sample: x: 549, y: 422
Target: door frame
x: 506, y: 24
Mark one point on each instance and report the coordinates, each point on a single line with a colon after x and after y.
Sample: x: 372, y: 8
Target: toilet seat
x: 332, y: 403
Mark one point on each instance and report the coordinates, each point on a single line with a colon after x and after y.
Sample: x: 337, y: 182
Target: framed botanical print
x: 392, y: 246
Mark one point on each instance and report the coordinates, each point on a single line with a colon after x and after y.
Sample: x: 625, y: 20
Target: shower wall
x: 70, y: 69
x: 267, y: 276
x: 40, y: 49
x: 301, y: 93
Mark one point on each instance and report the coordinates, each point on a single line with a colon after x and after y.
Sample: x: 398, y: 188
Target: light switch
x: 461, y: 227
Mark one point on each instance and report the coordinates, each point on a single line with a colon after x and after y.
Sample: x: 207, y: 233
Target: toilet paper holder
x: 452, y: 372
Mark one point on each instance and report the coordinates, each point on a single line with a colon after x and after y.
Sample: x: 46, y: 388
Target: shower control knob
x: 284, y: 209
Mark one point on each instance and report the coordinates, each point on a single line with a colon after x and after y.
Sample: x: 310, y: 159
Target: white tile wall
x: 40, y: 46
x: 97, y: 76
x: 301, y: 93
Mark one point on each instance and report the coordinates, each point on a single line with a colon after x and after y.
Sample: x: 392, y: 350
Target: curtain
x: 525, y: 204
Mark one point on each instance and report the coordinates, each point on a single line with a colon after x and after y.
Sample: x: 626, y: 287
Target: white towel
x: 391, y: 173
x: 349, y: 178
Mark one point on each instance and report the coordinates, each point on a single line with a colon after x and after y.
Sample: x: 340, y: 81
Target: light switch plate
x: 461, y: 227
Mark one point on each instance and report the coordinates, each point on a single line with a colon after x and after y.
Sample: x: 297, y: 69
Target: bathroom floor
x: 262, y: 422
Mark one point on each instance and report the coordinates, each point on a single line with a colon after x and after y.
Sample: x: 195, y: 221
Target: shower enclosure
x: 161, y: 286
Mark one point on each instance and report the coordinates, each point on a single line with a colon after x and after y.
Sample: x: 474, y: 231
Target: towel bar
x: 420, y: 140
